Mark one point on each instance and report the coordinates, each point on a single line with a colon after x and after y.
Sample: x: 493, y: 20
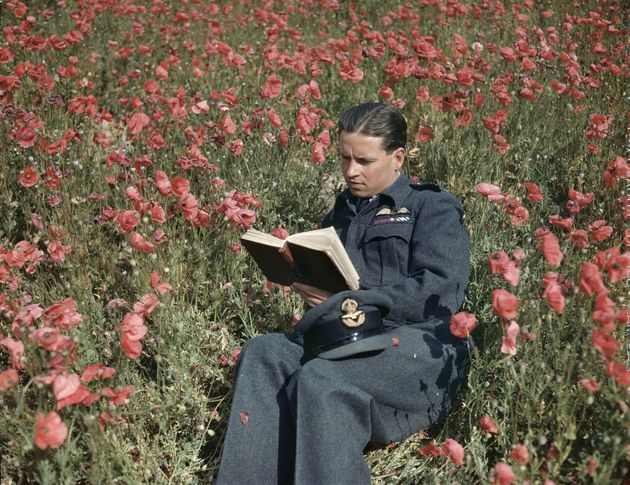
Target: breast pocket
x: 386, y: 253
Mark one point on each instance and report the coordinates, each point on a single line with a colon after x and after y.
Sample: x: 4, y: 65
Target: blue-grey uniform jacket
x: 411, y: 243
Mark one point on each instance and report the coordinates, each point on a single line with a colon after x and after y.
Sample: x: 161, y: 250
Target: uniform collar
x: 397, y: 192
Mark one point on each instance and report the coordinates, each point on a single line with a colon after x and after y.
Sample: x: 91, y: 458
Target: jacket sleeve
x: 438, y: 265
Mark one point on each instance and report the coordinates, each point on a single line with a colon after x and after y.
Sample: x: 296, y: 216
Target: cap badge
x: 352, y: 317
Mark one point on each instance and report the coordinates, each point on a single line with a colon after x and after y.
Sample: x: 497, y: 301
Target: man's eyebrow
x: 358, y: 157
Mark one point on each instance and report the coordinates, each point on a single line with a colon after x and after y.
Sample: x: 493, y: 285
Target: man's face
x: 366, y: 166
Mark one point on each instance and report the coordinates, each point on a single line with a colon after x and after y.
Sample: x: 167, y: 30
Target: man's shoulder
x: 425, y: 186
x: 430, y: 190
x: 432, y: 193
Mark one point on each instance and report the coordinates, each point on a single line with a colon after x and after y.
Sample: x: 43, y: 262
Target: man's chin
x: 358, y: 191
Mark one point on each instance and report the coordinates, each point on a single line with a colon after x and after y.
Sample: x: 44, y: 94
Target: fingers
x: 312, y: 295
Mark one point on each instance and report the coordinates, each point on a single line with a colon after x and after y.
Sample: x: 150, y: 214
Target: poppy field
x: 139, y: 139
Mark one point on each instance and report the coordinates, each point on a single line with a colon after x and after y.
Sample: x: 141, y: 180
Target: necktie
x: 361, y: 204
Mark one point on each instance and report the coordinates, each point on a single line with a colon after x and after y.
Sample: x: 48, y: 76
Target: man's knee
x: 263, y: 346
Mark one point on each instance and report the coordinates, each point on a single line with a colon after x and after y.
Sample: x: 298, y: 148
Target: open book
x: 316, y: 258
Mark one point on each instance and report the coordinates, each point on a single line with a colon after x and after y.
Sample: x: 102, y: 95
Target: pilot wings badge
x: 352, y: 317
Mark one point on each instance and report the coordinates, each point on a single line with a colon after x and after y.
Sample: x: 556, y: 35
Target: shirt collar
x: 397, y: 192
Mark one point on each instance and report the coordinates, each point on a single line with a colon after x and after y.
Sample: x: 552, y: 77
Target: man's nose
x: 352, y: 169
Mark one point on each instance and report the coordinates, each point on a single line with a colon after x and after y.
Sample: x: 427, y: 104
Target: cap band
x: 333, y: 333
x: 348, y: 340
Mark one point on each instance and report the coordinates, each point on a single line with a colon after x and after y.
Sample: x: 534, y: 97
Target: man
x: 299, y: 418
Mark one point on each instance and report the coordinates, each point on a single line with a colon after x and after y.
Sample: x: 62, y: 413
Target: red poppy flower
x: 551, y: 249
x: 318, y: 154
x: 140, y: 243
x: 590, y: 385
x: 117, y: 397
x: 454, y: 451
x: 25, y: 318
x: 272, y: 87
x: 51, y: 432
x: 200, y: 107
x: 189, y: 205
x: 180, y: 186
x: 422, y: 94
x: 64, y: 385
x: 488, y: 190
x: 132, y: 331
x: 602, y: 258
x: 604, y: 343
x: 26, y: 137
x: 349, y: 72
x: 430, y: 451
x: 600, y: 126
x: 424, y: 134
x: 159, y: 237
x: 507, y: 53
x: 127, y: 220
x: 274, y: 118
x: 535, y: 195
x: 578, y: 201
x: 616, y: 170
x: 463, y: 324
x: 157, y: 285
x: 555, y: 298
x: 63, y: 314
x: 500, y: 144
x: 598, y: 230
x: 508, y: 341
x: 162, y: 183
x: 8, y: 379
x: 590, y: 280
x: 137, y: 122
x: 28, y: 177
x: 498, y: 261
x: 519, y: 454
x: 488, y: 425
x: 619, y: 372
x: 504, y: 304
x: 227, y: 125
x: 16, y: 348
x: 386, y: 92
x: 58, y: 251
x: 618, y: 267
x: 579, y: 238
x: 503, y: 474
x: 96, y: 371
x: 528, y: 94
x: 146, y: 305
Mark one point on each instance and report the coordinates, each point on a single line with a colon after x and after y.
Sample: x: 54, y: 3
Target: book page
x: 327, y: 240
x: 262, y: 238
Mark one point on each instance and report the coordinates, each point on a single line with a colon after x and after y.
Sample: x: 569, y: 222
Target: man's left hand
x: 312, y: 295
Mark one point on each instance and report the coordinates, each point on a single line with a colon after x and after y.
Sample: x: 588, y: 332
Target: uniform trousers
x: 303, y: 420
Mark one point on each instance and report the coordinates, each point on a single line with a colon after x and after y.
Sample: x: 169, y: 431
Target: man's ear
x: 399, y: 158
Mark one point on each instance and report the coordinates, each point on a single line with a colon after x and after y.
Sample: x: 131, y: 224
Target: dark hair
x: 375, y: 119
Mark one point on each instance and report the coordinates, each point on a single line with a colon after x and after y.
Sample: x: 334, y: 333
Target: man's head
x: 372, y: 140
